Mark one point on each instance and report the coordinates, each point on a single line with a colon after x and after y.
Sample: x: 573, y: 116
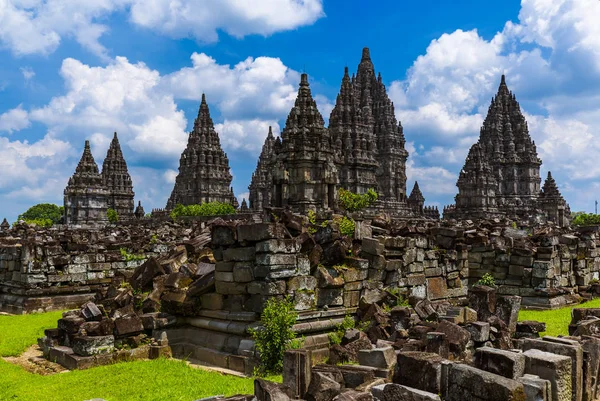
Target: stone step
x: 210, y: 357
x: 218, y: 341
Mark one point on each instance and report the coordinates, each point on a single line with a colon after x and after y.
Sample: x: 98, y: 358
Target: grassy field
x: 160, y: 379
x: 557, y: 321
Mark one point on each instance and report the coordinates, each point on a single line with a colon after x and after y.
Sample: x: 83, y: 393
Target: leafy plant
x: 275, y: 335
x: 112, y: 215
x: 347, y: 226
x: 43, y: 213
x: 487, y: 279
x: 335, y: 337
x: 353, y: 202
x: 129, y: 256
x: 204, y: 209
x: 586, y: 219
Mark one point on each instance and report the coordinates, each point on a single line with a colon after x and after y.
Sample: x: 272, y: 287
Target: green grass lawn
x: 557, y: 321
x: 160, y: 379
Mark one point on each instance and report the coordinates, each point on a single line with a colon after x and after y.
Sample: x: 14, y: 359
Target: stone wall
x: 45, y: 269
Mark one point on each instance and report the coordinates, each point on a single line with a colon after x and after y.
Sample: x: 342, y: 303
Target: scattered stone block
x: 552, y: 367
x: 396, y: 392
x: 536, y: 388
x: 469, y: 383
x: 420, y: 370
x: 383, y: 358
x: 480, y: 331
x: 504, y: 363
x: 92, y: 345
x: 269, y: 391
x: 322, y: 387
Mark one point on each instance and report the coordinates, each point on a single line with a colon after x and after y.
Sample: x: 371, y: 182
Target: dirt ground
x: 32, y: 361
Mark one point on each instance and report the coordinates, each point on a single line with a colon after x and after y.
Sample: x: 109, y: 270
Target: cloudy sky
x: 72, y: 70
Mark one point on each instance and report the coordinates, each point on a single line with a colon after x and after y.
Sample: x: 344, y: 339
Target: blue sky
x: 74, y: 70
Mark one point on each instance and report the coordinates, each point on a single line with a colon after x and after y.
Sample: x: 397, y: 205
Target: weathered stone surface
x: 128, y: 325
x: 536, y: 388
x: 420, y: 370
x: 468, y: 383
x: 322, y: 387
x: 552, y: 367
x: 504, y: 363
x: 92, y: 345
x: 269, y: 391
x: 396, y: 392
x: 480, y: 331
x: 383, y: 358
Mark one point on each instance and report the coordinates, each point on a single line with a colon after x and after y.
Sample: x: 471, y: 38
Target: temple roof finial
x: 366, y: 55
x: 304, y: 79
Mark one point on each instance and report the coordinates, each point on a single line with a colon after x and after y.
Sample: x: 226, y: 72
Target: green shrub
x: 488, y: 280
x: 129, y: 256
x: 347, y: 226
x: 353, y: 202
x: 204, y: 209
x: 275, y: 335
x: 41, y: 213
x: 39, y: 222
x: 335, y: 337
x: 585, y: 219
x: 112, y: 215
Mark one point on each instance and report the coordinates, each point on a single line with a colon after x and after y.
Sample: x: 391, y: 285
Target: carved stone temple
x: 204, y: 174
x: 118, y: 181
x: 501, y: 175
x: 86, y: 196
x: 89, y: 193
x: 362, y: 148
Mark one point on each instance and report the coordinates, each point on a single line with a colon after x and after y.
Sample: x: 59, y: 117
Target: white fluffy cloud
x: 201, y: 20
x: 261, y: 86
x: 551, y: 58
x: 248, y: 135
x: 14, y: 120
x: 38, y: 26
x: 122, y: 97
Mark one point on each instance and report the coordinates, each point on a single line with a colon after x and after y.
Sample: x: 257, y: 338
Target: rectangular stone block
x: 552, y: 367
x: 536, y: 388
x: 278, y: 246
x: 420, y: 370
x: 564, y: 347
x: 504, y: 363
x: 469, y: 383
x: 372, y: 246
x: 239, y: 254
x: 270, y: 259
x: 260, y: 231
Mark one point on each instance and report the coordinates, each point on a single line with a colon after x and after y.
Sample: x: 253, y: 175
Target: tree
x: 47, y: 213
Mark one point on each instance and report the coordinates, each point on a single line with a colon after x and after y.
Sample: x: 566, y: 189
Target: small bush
x: 488, y: 280
x: 43, y: 212
x: 204, y: 209
x: 275, y: 335
x: 347, y: 226
x: 112, y: 215
x: 586, y: 219
x: 353, y: 202
x: 39, y: 222
x: 129, y: 256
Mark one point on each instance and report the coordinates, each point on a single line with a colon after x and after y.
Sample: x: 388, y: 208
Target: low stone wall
x: 46, y: 269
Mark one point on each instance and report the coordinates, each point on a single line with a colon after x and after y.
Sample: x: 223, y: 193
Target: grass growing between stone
x: 557, y: 320
x: 161, y: 379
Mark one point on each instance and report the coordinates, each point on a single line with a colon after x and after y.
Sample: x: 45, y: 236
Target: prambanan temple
x: 362, y: 148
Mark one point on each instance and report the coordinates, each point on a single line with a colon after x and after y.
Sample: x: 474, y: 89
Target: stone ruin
x: 204, y: 174
x: 89, y: 193
x: 362, y: 148
x: 501, y: 175
x: 199, y: 298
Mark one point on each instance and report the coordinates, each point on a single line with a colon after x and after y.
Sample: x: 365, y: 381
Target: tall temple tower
x: 363, y: 148
x: 501, y: 175
x: 118, y: 181
x: 86, y: 196
x: 204, y: 174
x: 387, y: 131
x: 262, y: 178
x: 305, y: 175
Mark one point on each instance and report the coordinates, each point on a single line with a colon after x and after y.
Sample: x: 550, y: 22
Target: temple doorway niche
x: 278, y: 195
x: 331, y: 196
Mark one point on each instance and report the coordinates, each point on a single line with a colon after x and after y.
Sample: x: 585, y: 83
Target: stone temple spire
x: 204, y: 174
x: 416, y: 200
x: 305, y: 174
x: 353, y: 140
x: 507, y: 151
x: 5, y: 225
x: 139, y: 211
x: 552, y: 202
x: 118, y: 181
x: 378, y: 113
x: 262, y: 178
x: 86, y: 195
